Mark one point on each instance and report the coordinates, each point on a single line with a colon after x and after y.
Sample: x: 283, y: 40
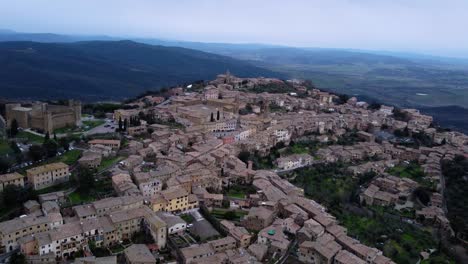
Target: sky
x: 438, y: 27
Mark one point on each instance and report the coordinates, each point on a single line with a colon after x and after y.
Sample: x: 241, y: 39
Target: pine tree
x: 47, y: 137
x: 120, y: 123
x: 14, y: 128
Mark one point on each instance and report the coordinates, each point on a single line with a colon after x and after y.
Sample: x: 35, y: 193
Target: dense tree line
x: 329, y: 184
x: 99, y: 110
x: 399, y: 115
x: 49, y: 148
x: 456, y: 181
x: 14, y: 196
x: 85, y: 180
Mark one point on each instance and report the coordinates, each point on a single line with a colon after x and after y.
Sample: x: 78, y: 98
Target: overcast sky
x: 428, y: 26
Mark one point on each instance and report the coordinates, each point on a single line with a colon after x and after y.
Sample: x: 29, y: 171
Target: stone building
x: 48, y: 175
x: 43, y: 116
x: 138, y: 254
x: 13, y: 230
x: 11, y: 179
x: 90, y: 160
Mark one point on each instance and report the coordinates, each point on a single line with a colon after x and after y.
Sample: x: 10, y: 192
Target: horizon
x: 383, y: 52
x: 431, y: 27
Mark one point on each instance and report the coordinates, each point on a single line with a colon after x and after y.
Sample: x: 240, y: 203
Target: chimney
x: 249, y: 164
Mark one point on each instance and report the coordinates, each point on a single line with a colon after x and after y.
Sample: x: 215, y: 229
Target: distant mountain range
x: 43, y: 65
x: 402, y: 79
x: 101, y: 70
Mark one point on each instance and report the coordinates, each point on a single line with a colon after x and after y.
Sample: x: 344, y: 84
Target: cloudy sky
x: 427, y: 26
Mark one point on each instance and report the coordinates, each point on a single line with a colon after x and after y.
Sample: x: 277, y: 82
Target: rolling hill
x: 61, y: 66
x: 103, y: 70
x: 403, y: 81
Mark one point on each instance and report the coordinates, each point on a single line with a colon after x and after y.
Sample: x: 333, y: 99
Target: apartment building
x: 127, y: 222
x: 64, y: 241
x: 113, y: 143
x: 196, y: 252
x: 171, y: 200
x: 137, y: 130
x: 156, y: 227
x: 96, y: 260
x: 148, y: 185
x: 13, y: 230
x: 346, y: 257
x: 223, y: 244
x: 11, y: 179
x: 294, y: 161
x: 48, y: 175
x: 139, y: 254
x: 258, y: 218
x: 239, y: 233
x: 174, y: 223
x: 322, y: 251
x: 107, y: 205
x: 90, y: 160
x: 123, y: 185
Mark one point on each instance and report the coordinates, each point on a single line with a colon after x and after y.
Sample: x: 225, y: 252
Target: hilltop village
x: 211, y: 173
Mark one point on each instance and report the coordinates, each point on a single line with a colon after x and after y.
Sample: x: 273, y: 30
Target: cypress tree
x: 120, y: 123
x: 14, y: 128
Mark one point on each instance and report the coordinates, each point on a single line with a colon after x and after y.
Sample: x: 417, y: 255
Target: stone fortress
x: 43, y: 116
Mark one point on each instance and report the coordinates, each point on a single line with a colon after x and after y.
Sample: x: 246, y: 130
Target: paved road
x: 103, y: 129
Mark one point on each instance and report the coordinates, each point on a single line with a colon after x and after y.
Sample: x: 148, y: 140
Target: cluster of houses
x: 190, y: 155
x: 387, y: 190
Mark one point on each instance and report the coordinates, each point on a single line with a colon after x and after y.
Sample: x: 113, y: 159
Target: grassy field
x: 4, y: 147
x: 299, y: 149
x: 59, y: 187
x: 30, y: 137
x: 302, y: 147
x: 70, y: 157
x: 77, y: 198
x: 64, y: 130
x: 333, y: 187
x: 187, y: 218
x: 228, y: 214
x: 87, y: 125
x: 240, y: 191
x: 396, y: 84
x: 412, y: 171
x: 102, y: 188
x: 236, y: 194
x: 329, y: 184
x: 109, y: 162
x: 116, y: 248
x: 399, y: 241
